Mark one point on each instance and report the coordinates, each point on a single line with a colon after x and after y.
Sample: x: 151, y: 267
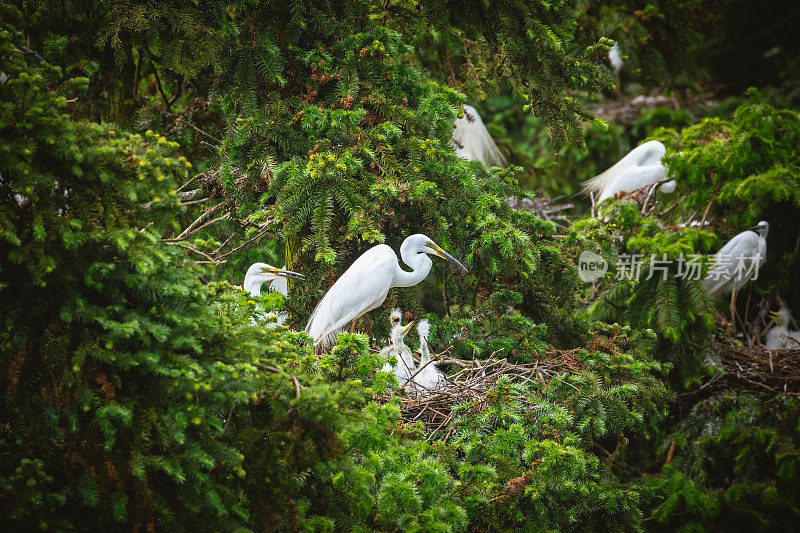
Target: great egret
x: 364, y: 286
x: 472, y: 141
x: 780, y: 337
x: 641, y: 167
x: 738, y: 262
x: 403, y: 368
x: 260, y: 273
x: 428, y: 377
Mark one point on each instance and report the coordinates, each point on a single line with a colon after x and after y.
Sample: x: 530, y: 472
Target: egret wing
x: 470, y: 134
x: 362, y: 288
x: 743, y: 245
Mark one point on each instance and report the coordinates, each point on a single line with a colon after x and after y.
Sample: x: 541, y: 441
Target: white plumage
x: 260, y: 273
x: 428, y: 377
x: 641, y: 167
x: 615, y: 58
x: 738, y: 262
x: 399, y: 356
x: 472, y: 141
x: 364, y: 286
x: 780, y: 337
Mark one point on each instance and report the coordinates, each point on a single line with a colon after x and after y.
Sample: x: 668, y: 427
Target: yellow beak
x: 282, y: 273
x: 407, y: 327
x: 444, y: 255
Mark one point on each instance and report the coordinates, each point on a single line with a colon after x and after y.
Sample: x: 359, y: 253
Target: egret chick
x: 738, y: 262
x: 428, y: 376
x: 473, y: 142
x: 364, y: 286
x: 641, y: 167
x: 780, y: 337
x: 403, y: 368
x: 260, y: 273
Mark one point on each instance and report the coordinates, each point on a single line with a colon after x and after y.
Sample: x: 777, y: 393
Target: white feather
x: 615, y: 58
x: 639, y: 168
x: 473, y: 142
x: 364, y: 286
x: 254, y: 279
x: 734, y: 264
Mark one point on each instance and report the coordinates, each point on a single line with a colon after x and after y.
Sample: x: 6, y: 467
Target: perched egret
x: 403, y: 368
x: 260, y: 273
x: 738, y: 262
x: 428, y: 377
x: 472, y: 141
x: 641, y: 167
x: 364, y: 286
x: 780, y: 337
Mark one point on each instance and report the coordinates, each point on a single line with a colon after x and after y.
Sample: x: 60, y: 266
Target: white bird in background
x: 738, y: 262
x: 428, y: 377
x: 364, y: 286
x: 472, y: 141
x: 260, y: 273
x: 615, y: 58
x: 780, y: 337
x: 641, y: 167
x: 403, y: 368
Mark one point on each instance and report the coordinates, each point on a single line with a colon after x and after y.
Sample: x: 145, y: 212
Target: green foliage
x: 735, y: 466
x: 135, y: 395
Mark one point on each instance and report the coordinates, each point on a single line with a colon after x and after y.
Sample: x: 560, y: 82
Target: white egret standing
x: 641, y: 167
x: 403, y: 368
x: 738, y: 262
x: 260, y: 273
x: 779, y: 337
x: 428, y: 376
x: 472, y: 141
x: 364, y: 286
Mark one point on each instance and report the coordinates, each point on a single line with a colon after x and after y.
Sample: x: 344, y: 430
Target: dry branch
x: 470, y: 386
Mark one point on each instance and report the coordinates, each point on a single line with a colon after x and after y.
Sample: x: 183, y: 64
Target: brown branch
x: 260, y: 234
x: 210, y: 222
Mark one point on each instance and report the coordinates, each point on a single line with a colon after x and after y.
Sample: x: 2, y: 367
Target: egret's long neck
x: 424, y: 350
x: 253, y: 286
x: 421, y: 264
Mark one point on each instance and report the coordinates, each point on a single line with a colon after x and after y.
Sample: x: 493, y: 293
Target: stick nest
x: 469, y: 384
x: 755, y: 369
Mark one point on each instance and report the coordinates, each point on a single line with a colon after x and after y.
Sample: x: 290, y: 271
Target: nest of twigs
x: 469, y: 384
x: 548, y: 208
x: 754, y: 368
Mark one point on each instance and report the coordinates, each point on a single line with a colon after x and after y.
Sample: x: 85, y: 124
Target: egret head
x: 781, y: 318
x: 419, y: 243
x: 762, y: 228
x: 395, y: 316
x: 399, y: 332
x: 260, y: 273
x: 424, y: 328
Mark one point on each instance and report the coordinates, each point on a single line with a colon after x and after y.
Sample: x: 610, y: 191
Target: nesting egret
x: 260, y: 273
x: 403, y: 367
x: 364, y: 286
x: 641, y: 167
x: 738, y: 262
x: 428, y: 377
x: 472, y: 141
x: 780, y: 337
